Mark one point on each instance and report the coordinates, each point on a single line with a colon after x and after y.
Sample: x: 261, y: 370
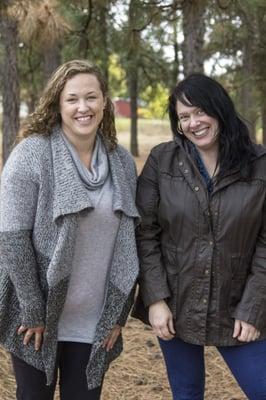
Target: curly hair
x: 47, y: 115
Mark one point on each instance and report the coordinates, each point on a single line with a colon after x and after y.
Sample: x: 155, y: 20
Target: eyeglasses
x: 185, y: 119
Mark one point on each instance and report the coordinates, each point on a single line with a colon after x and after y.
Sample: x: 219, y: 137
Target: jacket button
x: 196, y: 188
x: 185, y: 171
x: 204, y: 301
x: 211, y: 243
x: 180, y: 163
x: 207, y: 272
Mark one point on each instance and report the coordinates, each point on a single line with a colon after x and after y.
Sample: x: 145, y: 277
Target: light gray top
x: 96, y: 234
x: 95, y: 238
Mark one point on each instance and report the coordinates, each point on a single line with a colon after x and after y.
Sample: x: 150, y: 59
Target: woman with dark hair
x: 202, y: 242
x: 68, y: 257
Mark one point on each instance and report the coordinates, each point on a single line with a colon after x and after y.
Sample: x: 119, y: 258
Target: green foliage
x: 156, y: 99
x: 117, y: 77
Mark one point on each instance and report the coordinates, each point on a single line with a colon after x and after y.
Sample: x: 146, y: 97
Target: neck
x: 85, y: 154
x: 84, y: 147
x: 210, y: 160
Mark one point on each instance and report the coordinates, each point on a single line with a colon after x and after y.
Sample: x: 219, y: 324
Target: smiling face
x: 200, y: 128
x: 81, y: 107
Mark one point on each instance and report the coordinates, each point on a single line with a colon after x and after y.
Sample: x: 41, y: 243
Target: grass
x: 123, y: 124
x: 150, y: 133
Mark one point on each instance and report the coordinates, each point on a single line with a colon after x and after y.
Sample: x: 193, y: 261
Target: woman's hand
x: 30, y: 332
x: 245, y: 332
x: 110, y: 340
x: 161, y: 320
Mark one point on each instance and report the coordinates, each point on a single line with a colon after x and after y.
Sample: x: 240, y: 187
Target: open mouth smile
x: 200, y: 132
x: 84, y: 119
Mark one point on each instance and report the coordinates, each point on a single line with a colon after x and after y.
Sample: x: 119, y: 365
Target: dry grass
x: 139, y: 373
x: 150, y: 133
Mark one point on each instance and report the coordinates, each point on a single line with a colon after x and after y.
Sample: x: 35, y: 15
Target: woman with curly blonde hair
x: 68, y: 260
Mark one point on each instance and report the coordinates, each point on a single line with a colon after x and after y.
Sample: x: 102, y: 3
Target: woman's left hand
x: 110, y: 340
x: 245, y: 332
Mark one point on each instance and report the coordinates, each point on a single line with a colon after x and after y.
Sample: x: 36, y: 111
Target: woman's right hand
x: 161, y: 320
x: 30, y: 332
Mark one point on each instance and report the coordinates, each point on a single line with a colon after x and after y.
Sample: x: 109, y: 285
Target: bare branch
x: 224, y: 4
x: 89, y: 17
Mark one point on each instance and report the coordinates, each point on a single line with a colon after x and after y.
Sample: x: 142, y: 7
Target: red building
x: 122, y: 108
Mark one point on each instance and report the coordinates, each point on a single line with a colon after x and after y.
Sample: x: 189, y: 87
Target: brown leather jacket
x: 205, y: 254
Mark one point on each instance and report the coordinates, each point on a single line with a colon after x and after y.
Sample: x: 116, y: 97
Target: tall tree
x: 193, y: 12
x: 143, y: 59
x: 42, y: 27
x: 175, y: 71
x: 260, y: 62
x: 248, y: 104
x: 232, y: 36
x: 92, y: 22
x: 10, y: 84
x: 133, y: 71
x: 103, y: 17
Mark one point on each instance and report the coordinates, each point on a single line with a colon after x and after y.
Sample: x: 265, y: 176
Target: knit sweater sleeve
x: 129, y: 167
x: 18, y: 201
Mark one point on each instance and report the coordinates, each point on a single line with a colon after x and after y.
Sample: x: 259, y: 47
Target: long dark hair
x: 235, y: 146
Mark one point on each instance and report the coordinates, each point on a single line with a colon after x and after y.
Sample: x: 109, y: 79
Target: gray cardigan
x: 41, y: 197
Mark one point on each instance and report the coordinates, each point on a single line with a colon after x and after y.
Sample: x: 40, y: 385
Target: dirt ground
x: 139, y: 373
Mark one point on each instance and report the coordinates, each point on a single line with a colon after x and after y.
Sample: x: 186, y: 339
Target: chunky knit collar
x: 70, y: 194
x: 94, y: 177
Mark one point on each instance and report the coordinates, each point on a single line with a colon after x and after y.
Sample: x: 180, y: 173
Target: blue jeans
x: 186, y: 370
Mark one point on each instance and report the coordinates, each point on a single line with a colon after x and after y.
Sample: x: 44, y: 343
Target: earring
x: 179, y: 128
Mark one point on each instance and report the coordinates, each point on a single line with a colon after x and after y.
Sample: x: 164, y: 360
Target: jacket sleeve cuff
x: 32, y: 317
x: 254, y: 315
x: 150, y: 297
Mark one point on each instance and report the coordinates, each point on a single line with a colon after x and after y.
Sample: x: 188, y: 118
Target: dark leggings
x: 72, y: 359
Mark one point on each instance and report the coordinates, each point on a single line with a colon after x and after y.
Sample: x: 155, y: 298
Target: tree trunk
x: 84, y: 41
x: 133, y: 73
x: 260, y: 64
x: 247, y: 96
x: 176, y: 60
x: 193, y: 28
x: 133, y: 92
x: 51, y: 59
x: 263, y: 118
x: 10, y: 84
x: 103, y: 23
x: 247, y: 102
